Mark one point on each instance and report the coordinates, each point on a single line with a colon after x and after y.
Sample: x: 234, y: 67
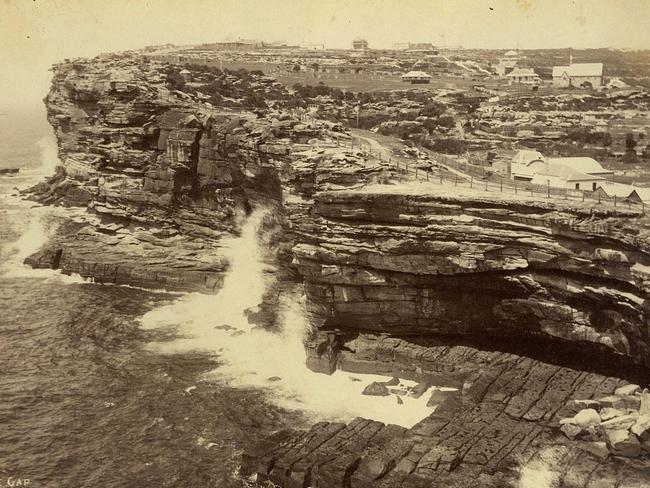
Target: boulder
x: 376, y: 389
x: 571, y: 430
x: 641, y: 426
x: 598, y: 449
x: 622, y: 422
x: 622, y: 443
x: 617, y: 401
x: 644, y: 403
x: 586, y: 417
x: 439, y: 397
x: 394, y: 381
x: 627, y: 390
x: 609, y: 413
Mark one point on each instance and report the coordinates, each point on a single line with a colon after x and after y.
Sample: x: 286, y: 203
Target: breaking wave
x: 274, y: 361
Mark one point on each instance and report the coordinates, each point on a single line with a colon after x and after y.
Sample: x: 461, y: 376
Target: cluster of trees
x: 309, y: 91
x: 586, y: 136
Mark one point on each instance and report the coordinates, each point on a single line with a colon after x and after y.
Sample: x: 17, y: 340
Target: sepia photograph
x: 324, y: 244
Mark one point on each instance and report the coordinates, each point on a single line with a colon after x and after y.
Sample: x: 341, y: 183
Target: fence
x: 449, y: 171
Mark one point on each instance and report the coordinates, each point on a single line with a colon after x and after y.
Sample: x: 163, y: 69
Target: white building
x: 523, y: 75
x: 579, y: 173
x: 581, y: 75
x: 416, y: 77
x: 526, y: 163
x: 558, y: 175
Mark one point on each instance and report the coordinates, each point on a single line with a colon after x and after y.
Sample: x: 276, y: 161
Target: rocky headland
x: 534, y: 312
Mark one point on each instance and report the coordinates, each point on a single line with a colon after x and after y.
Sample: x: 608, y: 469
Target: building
x: 577, y: 173
x: 360, y: 44
x: 526, y: 163
x: 416, y: 77
x: 186, y: 74
x: 579, y: 75
x: 523, y: 75
x: 507, y: 63
x: 558, y: 175
x: 583, y: 164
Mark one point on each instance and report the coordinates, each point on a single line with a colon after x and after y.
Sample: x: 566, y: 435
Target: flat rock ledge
x: 499, y: 429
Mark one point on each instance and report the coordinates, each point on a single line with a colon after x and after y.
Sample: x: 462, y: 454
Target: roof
x: 523, y: 72
x: 416, y: 74
x: 186, y: 72
x: 568, y: 173
x: 582, y: 164
x: 579, y: 69
x: 527, y: 156
x: 511, y: 53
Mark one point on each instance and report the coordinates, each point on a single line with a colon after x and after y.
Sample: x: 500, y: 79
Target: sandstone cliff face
x: 168, y: 176
x: 475, y: 267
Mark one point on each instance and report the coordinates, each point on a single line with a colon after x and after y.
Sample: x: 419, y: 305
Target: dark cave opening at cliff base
x: 582, y: 356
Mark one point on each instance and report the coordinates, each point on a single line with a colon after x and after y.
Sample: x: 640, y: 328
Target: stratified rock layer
x: 477, y: 268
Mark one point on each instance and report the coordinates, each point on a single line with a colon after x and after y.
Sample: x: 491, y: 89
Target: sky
x: 34, y: 34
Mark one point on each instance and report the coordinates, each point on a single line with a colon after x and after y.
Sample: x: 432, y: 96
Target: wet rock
x: 444, y: 397
x: 418, y: 390
x: 399, y: 401
x: 376, y: 389
x: 273, y: 378
x: 394, y: 381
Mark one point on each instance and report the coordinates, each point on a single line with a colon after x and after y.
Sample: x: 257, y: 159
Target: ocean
x: 113, y: 386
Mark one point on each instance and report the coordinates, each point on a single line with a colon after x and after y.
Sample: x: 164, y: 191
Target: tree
x: 433, y: 109
x: 175, y: 81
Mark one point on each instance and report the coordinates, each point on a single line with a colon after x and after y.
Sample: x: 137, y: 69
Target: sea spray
x: 273, y: 361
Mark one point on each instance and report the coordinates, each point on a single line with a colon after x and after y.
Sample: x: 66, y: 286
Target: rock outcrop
x: 477, y: 269
x: 168, y: 176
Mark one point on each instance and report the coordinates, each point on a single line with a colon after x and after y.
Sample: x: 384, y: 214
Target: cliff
x: 530, y: 308
x: 166, y: 175
x: 407, y: 262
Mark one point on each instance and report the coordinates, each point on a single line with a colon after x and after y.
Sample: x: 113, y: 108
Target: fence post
x: 440, y: 170
x: 455, y: 180
x: 471, y: 181
x: 486, y: 182
x: 416, y: 172
x: 548, y: 189
x: 614, y: 200
x: 501, y: 183
x: 427, y: 175
x: 583, y: 195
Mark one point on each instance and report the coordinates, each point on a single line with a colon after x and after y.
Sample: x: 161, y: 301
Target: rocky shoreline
x: 402, y: 278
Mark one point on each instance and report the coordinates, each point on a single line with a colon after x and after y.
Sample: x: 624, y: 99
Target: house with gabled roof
x: 579, y: 75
